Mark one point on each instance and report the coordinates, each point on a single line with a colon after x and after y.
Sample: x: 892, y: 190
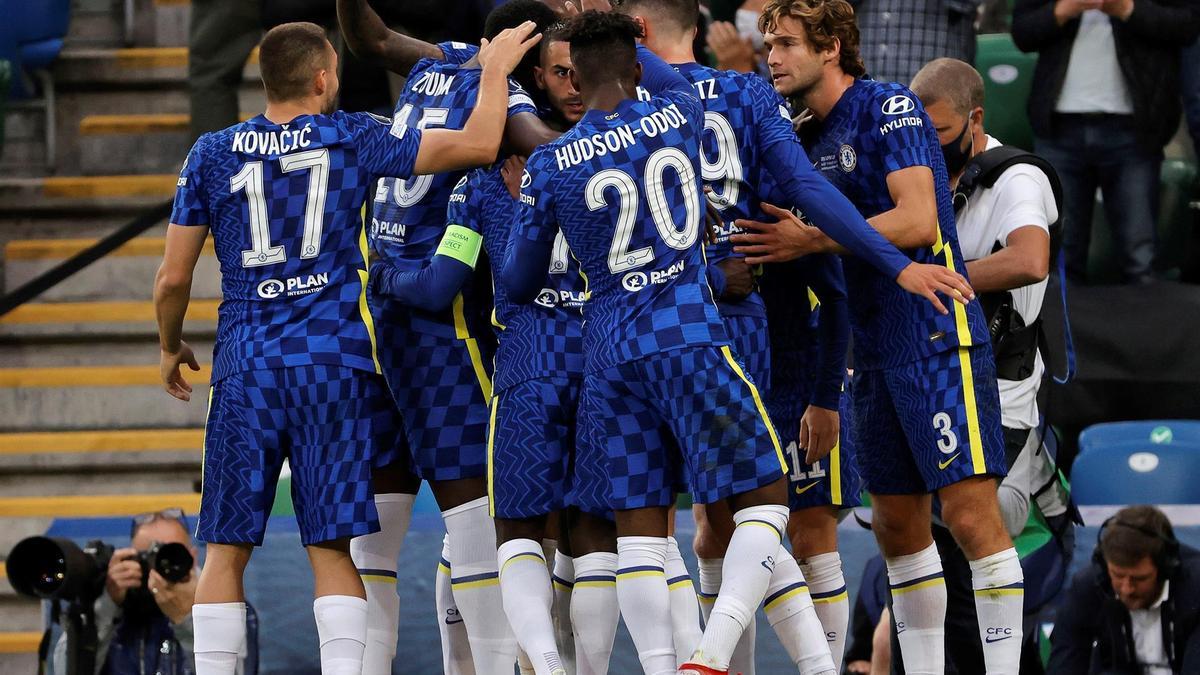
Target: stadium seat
x: 1148, y: 433
x: 1007, y: 77
x: 32, y: 39
x: 1153, y: 462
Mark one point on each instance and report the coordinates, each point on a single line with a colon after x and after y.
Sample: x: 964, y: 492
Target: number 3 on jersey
x: 620, y: 258
x: 250, y: 179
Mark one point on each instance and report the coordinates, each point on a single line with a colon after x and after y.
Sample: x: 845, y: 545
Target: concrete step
x: 82, y: 349
x: 138, y: 143
x: 129, y: 67
x: 102, y: 23
x: 82, y: 194
x: 93, y: 397
x: 114, y: 318
x: 127, y: 272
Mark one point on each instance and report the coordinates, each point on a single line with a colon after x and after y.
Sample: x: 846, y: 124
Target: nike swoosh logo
x: 451, y: 623
x: 989, y: 639
x: 943, y: 465
x: 806, y: 488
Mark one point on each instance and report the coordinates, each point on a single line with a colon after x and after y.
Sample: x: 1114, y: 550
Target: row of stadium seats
x: 31, y: 38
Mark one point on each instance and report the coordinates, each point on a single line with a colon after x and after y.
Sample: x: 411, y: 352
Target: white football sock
x: 742, y: 660
x: 827, y: 586
x: 749, y: 563
x: 791, y: 613
x: 594, y: 611
x: 919, y: 606
x: 476, y: 586
x: 685, y: 610
x: 219, y: 633
x: 645, y: 601
x: 342, y: 633
x: 456, y: 648
x: 563, y: 579
x: 999, y: 585
x: 375, y: 556
x: 710, y: 584
x: 525, y: 587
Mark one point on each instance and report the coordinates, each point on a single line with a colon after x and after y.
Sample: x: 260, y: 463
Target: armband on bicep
x: 462, y: 244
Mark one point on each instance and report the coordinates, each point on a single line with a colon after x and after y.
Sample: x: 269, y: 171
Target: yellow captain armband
x: 462, y: 244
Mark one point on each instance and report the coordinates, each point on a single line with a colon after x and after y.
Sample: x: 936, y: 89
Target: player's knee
x: 707, y: 544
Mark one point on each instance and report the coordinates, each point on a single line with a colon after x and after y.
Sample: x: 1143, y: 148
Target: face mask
x: 956, y: 157
x: 747, y: 25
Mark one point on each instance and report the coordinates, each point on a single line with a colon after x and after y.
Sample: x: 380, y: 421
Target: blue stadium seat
x: 31, y: 38
x: 1147, y: 432
x: 1138, y: 463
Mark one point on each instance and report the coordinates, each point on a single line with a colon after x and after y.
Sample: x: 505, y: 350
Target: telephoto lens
x: 53, y: 568
x: 173, y: 561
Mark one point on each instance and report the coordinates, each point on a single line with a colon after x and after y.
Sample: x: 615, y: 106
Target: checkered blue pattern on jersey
x: 300, y: 310
x: 441, y: 388
x: 532, y: 446
x: 329, y: 422
x: 409, y: 214
x: 913, y: 423
x: 749, y: 339
x: 743, y: 116
x: 536, y: 340
x: 665, y: 302
x: 877, y: 128
x: 689, y: 407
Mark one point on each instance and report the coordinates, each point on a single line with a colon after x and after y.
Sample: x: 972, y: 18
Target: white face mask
x: 747, y: 25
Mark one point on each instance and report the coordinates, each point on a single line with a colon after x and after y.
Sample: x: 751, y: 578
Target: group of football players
x: 594, y: 274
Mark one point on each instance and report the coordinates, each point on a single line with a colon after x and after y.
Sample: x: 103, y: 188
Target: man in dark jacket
x: 1136, y: 609
x: 1105, y: 100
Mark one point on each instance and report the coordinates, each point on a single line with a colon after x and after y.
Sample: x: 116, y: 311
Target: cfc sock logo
x: 997, y: 633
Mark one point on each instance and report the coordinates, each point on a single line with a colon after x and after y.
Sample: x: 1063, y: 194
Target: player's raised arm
x: 369, y: 38
x: 478, y: 142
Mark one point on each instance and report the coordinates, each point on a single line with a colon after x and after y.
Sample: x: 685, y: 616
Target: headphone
x: 1166, y: 560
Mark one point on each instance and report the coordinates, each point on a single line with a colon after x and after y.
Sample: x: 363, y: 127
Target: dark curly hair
x: 603, y: 45
x: 512, y: 14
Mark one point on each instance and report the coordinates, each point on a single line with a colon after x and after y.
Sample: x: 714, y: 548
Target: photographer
x: 143, y: 620
x: 1136, y: 608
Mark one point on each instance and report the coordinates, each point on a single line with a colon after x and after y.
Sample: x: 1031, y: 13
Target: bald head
x: 954, y: 82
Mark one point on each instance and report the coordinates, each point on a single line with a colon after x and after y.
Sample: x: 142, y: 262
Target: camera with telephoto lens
x: 54, y: 568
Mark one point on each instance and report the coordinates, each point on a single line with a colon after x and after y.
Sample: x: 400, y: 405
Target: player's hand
x: 1118, y: 8
x: 859, y: 667
x: 929, y: 280
x: 1065, y: 10
x: 124, y: 573
x: 513, y: 172
x: 729, y: 48
x: 786, y: 239
x: 802, y: 118
x: 168, y: 367
x: 739, y: 279
x: 575, y: 7
x: 174, y: 599
x: 819, y: 432
x: 506, y: 50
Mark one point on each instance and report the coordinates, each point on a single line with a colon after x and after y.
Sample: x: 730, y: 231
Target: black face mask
x: 956, y: 157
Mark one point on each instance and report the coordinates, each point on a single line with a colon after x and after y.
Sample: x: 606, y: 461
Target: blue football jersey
x: 284, y: 204
x: 409, y: 215
x: 625, y: 189
x: 877, y: 128
x: 541, y: 339
x: 456, y: 52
